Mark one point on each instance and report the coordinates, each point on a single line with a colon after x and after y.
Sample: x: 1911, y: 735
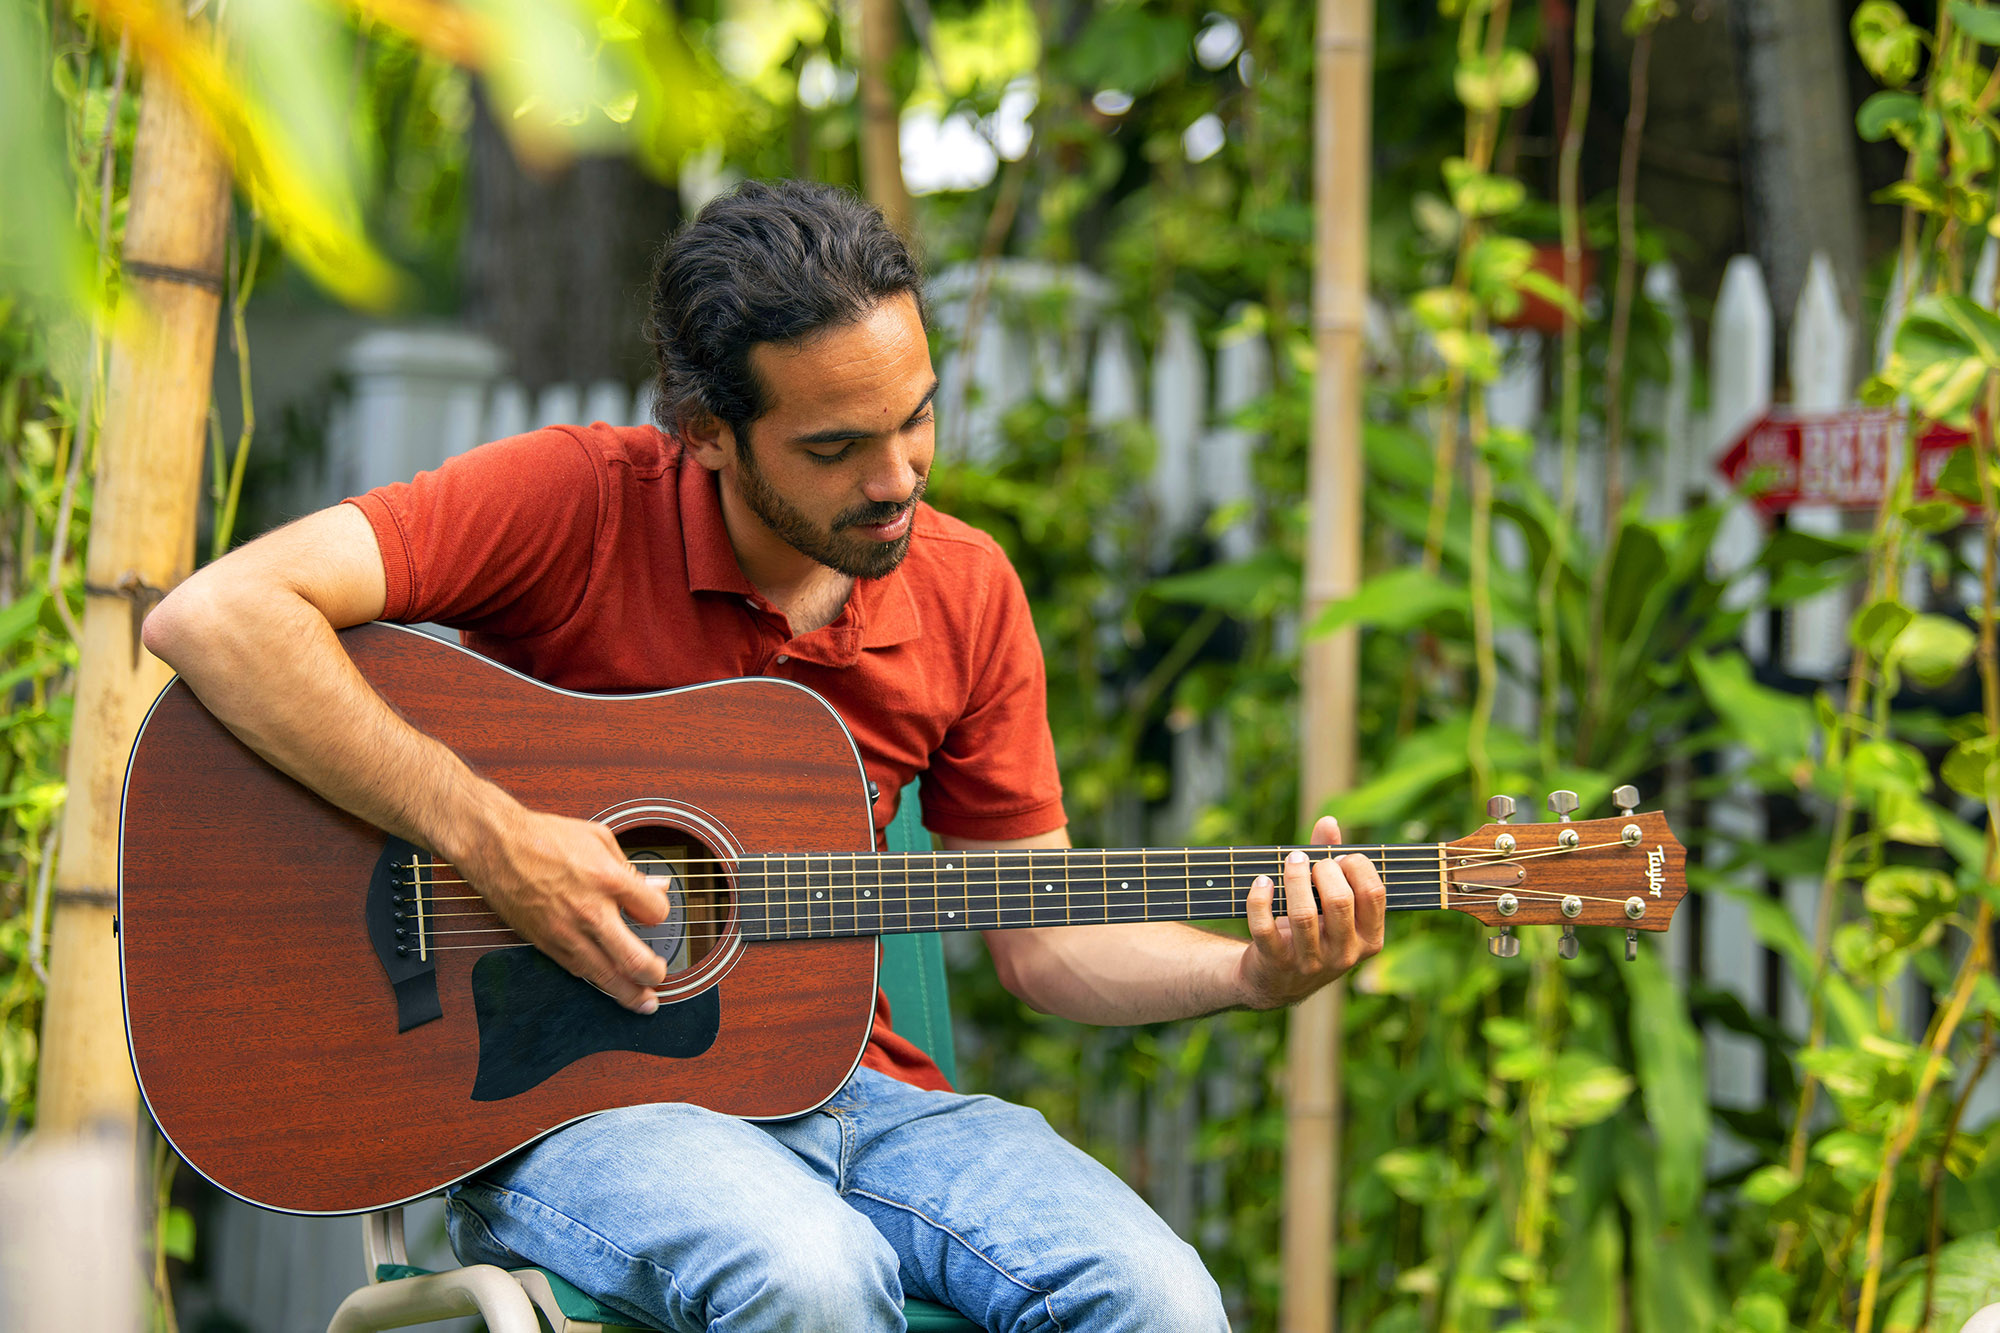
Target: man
x: 775, y: 527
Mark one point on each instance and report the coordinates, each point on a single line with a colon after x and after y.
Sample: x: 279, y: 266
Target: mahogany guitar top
x: 264, y: 1029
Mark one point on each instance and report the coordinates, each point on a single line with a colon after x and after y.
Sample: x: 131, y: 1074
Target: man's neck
x: 809, y: 594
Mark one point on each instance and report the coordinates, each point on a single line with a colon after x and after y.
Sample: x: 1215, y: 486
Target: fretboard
x: 819, y: 894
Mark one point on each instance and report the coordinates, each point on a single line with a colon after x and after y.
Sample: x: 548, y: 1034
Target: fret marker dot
x: 1048, y: 888
x: 819, y: 895
x: 948, y: 865
x: 952, y: 915
x: 1211, y: 884
x: 868, y: 893
x: 1124, y: 884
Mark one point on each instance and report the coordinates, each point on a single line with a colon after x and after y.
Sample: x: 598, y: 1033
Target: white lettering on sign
x: 1656, y: 869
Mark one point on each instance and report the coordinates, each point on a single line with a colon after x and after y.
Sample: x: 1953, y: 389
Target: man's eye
x: 924, y: 417
x: 833, y: 457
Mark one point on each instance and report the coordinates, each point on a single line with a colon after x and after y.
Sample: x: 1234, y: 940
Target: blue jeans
x: 696, y: 1221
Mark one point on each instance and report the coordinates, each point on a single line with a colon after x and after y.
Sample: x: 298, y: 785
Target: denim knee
x: 817, y: 1280
x: 1160, y: 1288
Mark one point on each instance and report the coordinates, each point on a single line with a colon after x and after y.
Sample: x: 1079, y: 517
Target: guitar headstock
x: 1628, y: 871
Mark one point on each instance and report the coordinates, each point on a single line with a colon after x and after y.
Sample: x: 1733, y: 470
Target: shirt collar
x: 880, y: 612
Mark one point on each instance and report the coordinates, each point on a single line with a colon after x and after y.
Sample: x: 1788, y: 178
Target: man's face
x: 836, y: 466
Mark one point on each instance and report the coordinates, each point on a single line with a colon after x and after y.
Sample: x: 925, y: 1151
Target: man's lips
x: 889, y: 531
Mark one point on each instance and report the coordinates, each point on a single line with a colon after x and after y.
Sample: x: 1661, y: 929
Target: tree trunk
x: 558, y: 268
x: 149, y: 460
x: 881, y: 126
x: 1802, y: 185
x: 1329, y: 667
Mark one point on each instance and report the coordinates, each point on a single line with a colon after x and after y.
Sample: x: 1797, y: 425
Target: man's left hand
x: 1334, y: 907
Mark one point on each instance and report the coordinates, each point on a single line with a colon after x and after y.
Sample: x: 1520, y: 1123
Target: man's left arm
x: 1152, y: 971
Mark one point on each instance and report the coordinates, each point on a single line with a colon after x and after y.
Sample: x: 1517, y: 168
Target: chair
x: 528, y: 1300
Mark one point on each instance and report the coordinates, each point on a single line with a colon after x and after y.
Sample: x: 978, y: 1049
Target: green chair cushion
x: 922, y: 1316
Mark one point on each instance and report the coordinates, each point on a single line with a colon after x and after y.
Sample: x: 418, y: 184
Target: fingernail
x: 649, y: 1004
x: 1261, y: 882
x: 1296, y: 859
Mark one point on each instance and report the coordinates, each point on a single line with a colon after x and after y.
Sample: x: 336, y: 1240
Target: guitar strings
x: 714, y: 936
x: 1395, y: 898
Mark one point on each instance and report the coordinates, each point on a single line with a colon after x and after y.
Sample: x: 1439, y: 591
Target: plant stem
x: 1614, y: 383
x: 1570, y: 207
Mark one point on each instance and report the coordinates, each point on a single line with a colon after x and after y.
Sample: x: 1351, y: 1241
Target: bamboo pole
x: 148, y: 481
x: 1329, y: 665
x: 881, y: 126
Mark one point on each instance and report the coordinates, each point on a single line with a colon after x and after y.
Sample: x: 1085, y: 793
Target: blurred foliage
x: 1528, y: 1143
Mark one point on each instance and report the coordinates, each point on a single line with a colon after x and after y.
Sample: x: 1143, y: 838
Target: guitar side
x: 263, y: 1028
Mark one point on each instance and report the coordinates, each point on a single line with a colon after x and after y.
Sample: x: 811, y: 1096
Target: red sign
x: 1832, y: 458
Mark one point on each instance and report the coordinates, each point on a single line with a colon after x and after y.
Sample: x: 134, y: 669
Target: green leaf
x: 1254, y: 585
x: 1855, y: 1158
x: 1770, y: 1185
x: 19, y: 617
x: 1976, y: 22
x: 1399, y: 599
x: 1968, y: 1279
x: 1890, y: 45
x: 1885, y: 112
x: 1931, y: 649
x: 1667, y: 1055
x: 177, y: 1234
x: 1960, y: 476
x: 1550, y: 289
x: 1973, y: 767
x: 1479, y: 194
x: 1934, y: 516
x: 1903, y: 817
x: 1878, y: 766
x: 1775, y: 725
x: 1474, y: 354
x: 1128, y: 47
x: 1876, y: 625
x: 1487, y: 85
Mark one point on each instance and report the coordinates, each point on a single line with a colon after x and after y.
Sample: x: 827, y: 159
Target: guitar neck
x: 821, y: 895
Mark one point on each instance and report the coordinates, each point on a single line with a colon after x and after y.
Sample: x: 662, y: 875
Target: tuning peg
x: 1567, y: 945
x: 1564, y: 803
x: 1500, y: 807
x: 1626, y: 798
x: 1631, y: 946
x: 1503, y: 944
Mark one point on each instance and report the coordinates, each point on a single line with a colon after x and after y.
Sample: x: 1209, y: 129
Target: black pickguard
x: 536, y: 1019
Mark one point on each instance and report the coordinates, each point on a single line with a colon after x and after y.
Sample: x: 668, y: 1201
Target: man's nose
x: 894, y: 475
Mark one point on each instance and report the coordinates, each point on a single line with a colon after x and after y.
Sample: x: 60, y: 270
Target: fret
x: 1124, y: 885
x: 1014, y: 890
x: 1216, y: 887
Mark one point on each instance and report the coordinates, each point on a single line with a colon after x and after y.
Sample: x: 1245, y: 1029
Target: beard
x: 854, y: 555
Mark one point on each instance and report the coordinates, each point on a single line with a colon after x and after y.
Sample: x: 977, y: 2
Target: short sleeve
x: 994, y: 776
x: 498, y: 540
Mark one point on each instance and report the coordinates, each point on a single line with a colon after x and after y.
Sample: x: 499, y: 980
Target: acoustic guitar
x: 325, y: 1019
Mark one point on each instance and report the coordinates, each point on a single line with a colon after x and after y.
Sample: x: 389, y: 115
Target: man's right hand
x: 561, y: 884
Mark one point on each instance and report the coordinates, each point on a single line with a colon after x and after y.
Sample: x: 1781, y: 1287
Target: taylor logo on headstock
x: 1656, y: 869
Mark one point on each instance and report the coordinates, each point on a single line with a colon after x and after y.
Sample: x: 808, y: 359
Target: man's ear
x: 710, y: 440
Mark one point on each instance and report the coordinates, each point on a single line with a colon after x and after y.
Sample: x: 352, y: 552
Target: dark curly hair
x: 766, y: 262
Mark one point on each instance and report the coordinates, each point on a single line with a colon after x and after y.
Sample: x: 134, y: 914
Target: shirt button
x: 781, y: 659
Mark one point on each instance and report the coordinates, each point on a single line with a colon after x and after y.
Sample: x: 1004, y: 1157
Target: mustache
x: 888, y: 511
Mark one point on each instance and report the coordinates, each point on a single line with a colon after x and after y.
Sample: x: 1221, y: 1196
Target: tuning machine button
x: 1503, y: 944
x: 1501, y: 808
x: 1567, y: 945
x: 1626, y: 798
x: 1564, y: 803
x: 1632, y: 946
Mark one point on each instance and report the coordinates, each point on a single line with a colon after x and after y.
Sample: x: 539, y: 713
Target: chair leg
x: 481, y: 1289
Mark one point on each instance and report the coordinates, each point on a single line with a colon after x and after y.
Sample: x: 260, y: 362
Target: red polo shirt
x: 596, y: 559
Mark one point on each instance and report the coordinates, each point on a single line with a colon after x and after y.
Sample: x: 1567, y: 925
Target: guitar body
x: 265, y: 1031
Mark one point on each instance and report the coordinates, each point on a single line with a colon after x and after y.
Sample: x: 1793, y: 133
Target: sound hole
x: 701, y: 906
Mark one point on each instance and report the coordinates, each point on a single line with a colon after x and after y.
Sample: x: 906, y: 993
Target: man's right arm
x: 253, y: 636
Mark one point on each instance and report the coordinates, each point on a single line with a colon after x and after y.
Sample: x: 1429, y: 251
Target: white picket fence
x: 419, y: 396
